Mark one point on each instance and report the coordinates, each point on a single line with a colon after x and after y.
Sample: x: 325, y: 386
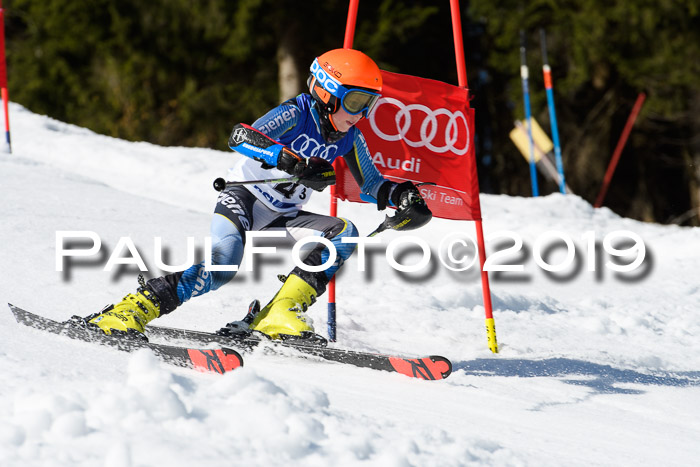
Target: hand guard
x: 314, y: 172
x: 411, y: 210
x: 406, y: 194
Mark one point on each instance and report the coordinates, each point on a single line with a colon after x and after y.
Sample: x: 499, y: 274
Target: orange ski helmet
x: 347, y: 78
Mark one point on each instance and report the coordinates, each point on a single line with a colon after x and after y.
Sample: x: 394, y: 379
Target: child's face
x: 343, y: 121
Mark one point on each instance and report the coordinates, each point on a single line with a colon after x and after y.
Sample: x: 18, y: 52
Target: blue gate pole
x: 524, y: 75
x: 547, y: 71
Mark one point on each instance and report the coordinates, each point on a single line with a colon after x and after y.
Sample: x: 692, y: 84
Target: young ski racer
x: 299, y: 138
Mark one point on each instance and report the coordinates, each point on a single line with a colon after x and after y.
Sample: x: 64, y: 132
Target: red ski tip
x: 429, y: 368
x: 215, y: 360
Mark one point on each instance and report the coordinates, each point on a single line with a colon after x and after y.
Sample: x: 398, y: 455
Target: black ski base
x: 218, y: 360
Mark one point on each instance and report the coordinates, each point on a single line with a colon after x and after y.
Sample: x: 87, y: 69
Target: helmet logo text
x: 326, y: 80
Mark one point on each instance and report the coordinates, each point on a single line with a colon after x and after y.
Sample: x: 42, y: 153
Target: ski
x: 427, y: 368
x: 218, y: 360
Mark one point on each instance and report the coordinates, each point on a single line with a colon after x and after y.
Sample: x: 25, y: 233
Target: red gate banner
x: 423, y: 131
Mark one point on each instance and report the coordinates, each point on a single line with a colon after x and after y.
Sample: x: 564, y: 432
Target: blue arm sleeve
x: 360, y: 163
x: 279, y: 120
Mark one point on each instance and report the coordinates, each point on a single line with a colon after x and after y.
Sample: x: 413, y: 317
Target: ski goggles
x: 353, y: 100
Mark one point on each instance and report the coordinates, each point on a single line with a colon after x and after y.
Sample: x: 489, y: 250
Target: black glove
x: 314, y: 172
x: 406, y: 194
x: 383, y: 194
x: 288, y: 159
x: 412, y: 212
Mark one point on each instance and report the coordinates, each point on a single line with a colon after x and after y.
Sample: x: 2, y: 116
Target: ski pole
x: 220, y: 184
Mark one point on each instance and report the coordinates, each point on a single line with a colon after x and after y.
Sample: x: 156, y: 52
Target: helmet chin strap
x: 329, y: 131
x: 330, y: 118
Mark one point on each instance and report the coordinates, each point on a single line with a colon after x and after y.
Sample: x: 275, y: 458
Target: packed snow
x: 596, y: 366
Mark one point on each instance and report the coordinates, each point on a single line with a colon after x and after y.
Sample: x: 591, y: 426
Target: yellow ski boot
x: 129, y: 317
x: 285, y: 316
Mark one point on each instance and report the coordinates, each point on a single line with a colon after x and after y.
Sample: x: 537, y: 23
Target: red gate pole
x: 350, y: 25
x: 462, y: 78
x: 3, y: 78
x: 618, y: 149
x: 459, y: 44
x: 347, y: 44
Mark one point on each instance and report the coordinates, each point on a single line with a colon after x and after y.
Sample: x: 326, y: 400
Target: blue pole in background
x: 524, y: 75
x: 546, y: 70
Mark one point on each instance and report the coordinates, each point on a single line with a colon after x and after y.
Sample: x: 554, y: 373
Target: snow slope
x: 595, y: 367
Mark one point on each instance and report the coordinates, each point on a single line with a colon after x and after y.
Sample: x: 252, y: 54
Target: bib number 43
x: 287, y: 189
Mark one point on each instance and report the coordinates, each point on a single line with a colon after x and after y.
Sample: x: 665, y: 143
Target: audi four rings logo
x: 309, y: 147
x: 428, y: 127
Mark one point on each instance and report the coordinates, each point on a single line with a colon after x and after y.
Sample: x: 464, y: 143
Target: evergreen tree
x: 602, y: 55
x: 176, y: 72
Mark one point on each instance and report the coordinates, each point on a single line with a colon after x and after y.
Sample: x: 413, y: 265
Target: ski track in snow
x: 595, y: 367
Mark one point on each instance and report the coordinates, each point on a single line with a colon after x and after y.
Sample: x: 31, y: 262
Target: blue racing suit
x: 295, y: 124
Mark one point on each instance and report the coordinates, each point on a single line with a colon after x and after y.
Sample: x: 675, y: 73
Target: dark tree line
x: 176, y: 72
